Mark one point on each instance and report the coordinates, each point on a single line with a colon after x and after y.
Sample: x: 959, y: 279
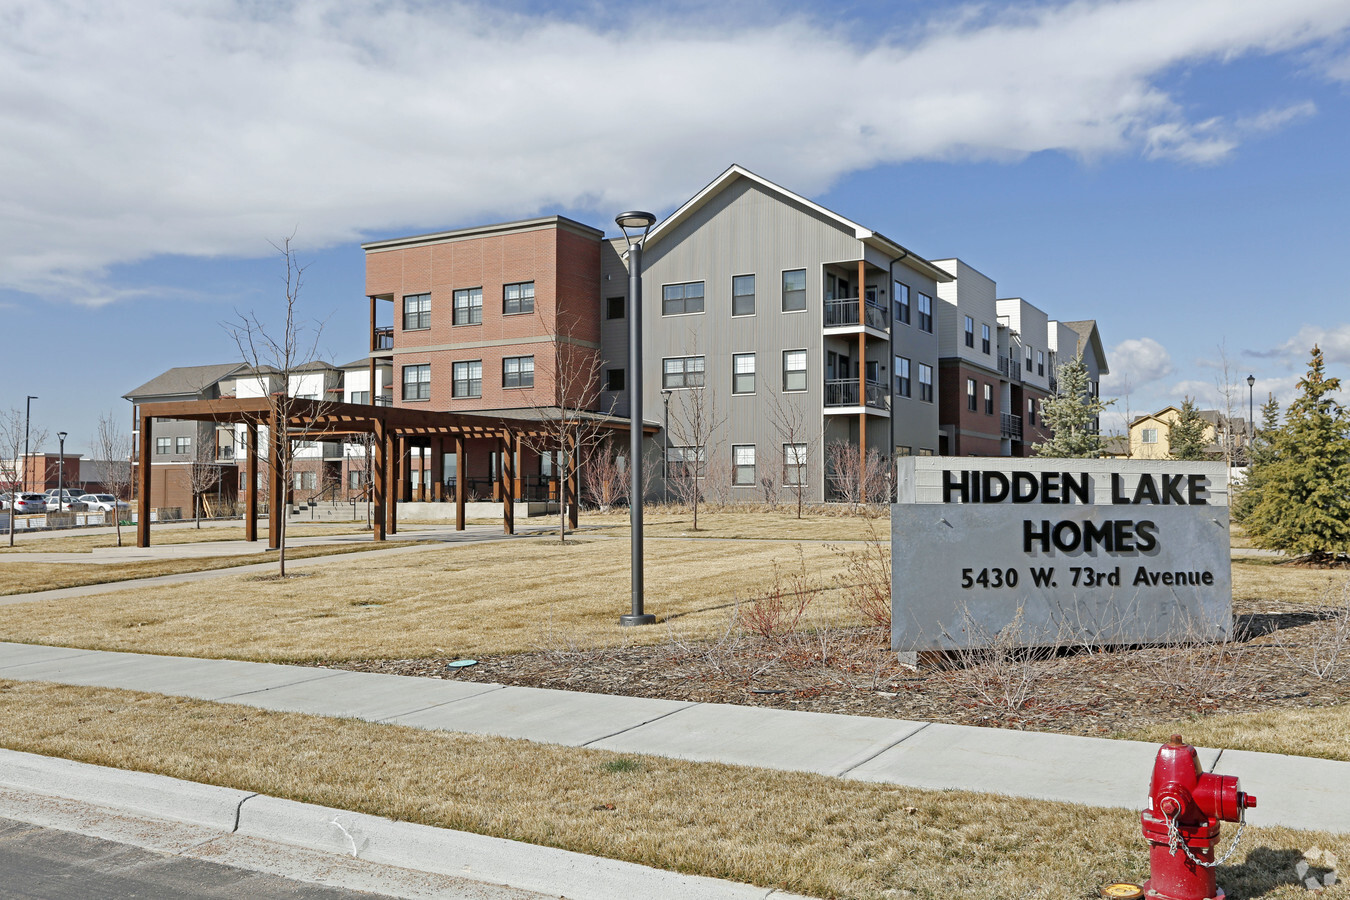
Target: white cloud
x: 1136, y: 363
x: 131, y: 130
x: 1334, y: 341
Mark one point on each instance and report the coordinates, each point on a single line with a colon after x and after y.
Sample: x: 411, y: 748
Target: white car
x: 103, y: 502
x: 68, y: 502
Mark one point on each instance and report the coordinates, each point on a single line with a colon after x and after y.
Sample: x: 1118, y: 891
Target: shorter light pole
x: 1251, y: 413
x: 27, y: 413
x: 635, y: 225
x: 61, y: 471
x: 665, y: 446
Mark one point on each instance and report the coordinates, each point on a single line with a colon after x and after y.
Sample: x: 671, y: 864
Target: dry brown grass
x: 822, y: 524
x: 1256, y: 580
x: 1320, y: 731
x: 805, y: 833
x: 471, y: 600
x: 19, y: 577
x: 161, y: 535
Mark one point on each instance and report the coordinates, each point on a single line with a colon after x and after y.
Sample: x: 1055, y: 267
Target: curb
x: 421, y: 848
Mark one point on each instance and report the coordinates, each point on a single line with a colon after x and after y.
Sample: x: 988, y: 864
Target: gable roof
x: 736, y: 172
x: 184, y: 380
x: 1087, y: 333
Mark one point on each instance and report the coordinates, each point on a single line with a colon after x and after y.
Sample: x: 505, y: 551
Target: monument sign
x: 1108, y: 551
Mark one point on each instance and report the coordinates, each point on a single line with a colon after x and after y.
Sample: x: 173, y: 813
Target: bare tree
x: 719, y: 478
x: 1230, y: 401
x: 114, y: 445
x: 800, y: 443
x: 605, y: 480
x: 277, y: 358
x: 694, y: 424
x: 13, y: 464
x: 852, y: 477
x: 203, y: 473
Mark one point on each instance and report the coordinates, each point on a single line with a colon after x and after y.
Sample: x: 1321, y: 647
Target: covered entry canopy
x: 393, y: 429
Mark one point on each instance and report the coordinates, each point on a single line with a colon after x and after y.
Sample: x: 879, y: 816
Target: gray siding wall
x: 971, y: 294
x: 915, y: 422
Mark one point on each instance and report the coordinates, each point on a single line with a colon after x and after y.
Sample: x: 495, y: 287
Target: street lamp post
x: 61, y: 471
x: 665, y: 446
x: 635, y: 225
x: 1251, y: 412
x: 27, y: 413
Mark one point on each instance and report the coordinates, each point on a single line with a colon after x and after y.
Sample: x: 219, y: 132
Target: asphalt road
x: 37, y: 862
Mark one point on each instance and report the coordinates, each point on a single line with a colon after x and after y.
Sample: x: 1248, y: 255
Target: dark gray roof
x: 1087, y: 332
x: 364, y: 362
x: 184, y: 380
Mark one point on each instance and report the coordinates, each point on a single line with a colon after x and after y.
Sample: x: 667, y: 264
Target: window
x: 925, y: 383
x: 469, y: 306
x: 682, y: 299
x: 970, y: 393
x: 163, y: 445
x: 614, y: 379
x: 682, y: 372
x: 904, y: 450
x: 743, y: 373
x: 902, y: 386
x: 970, y: 332
x: 518, y: 372
x: 468, y: 379
x: 360, y: 397
x: 901, y: 303
x: 518, y: 298
x: 1029, y: 363
x: 614, y: 307
x: 416, y: 312
x: 794, y: 464
x: 926, y: 451
x: 794, y: 290
x: 686, y: 461
x: 743, y: 296
x: 306, y: 481
x: 1040, y: 362
x: 417, y: 382
x: 984, y: 339
x: 356, y: 480
x: 1149, y: 435
x: 988, y: 399
x: 743, y: 464
x: 794, y: 370
x: 1031, y: 411
x: 926, y: 313
x: 182, y: 445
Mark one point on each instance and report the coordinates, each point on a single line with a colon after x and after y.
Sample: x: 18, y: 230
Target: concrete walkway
x: 1299, y: 792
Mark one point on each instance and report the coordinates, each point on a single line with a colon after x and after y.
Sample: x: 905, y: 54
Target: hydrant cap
x: 1176, y: 741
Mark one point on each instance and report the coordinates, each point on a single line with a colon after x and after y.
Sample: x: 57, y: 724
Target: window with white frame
x: 1040, y: 362
x: 794, y: 290
x: 925, y: 383
x: 743, y: 465
x: 682, y: 299
x: 1031, y: 411
x: 416, y: 312
x: 743, y: 295
x: 468, y: 304
x: 518, y: 298
x: 182, y: 445
x: 970, y: 393
x: 468, y: 379
x: 163, y: 445
x: 518, y: 372
x: 901, y: 302
x: 794, y: 464
x: 1029, y: 362
x: 794, y: 370
x: 417, y: 382
x: 682, y: 372
x: 925, y: 313
x: 743, y: 373
x: 306, y: 481
x: 362, y: 397
x: 1149, y: 435
x: 685, y: 462
x: 984, y: 339
x: 970, y: 332
x: 988, y: 399
x: 902, y: 385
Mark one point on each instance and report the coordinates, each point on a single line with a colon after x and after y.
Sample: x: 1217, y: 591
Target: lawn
x: 75, y: 542
x: 831, y: 524
x: 1320, y: 731
x: 805, y: 833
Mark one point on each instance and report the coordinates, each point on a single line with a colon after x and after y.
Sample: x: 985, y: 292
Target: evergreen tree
x: 1260, y: 455
x: 1302, y: 502
x: 1073, y: 415
x: 1187, y: 436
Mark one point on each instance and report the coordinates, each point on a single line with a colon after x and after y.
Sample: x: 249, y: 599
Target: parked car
x: 27, y: 504
x: 65, y: 502
x: 103, y: 502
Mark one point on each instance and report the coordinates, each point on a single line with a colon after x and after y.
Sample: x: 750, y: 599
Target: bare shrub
x: 867, y: 578
x: 718, y: 485
x: 769, y: 485
x: 603, y: 479
x: 1322, y: 649
x: 1004, y: 669
x: 1197, y: 669
x: 854, y: 480
x: 775, y: 614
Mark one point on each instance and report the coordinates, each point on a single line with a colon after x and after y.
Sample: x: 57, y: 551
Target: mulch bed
x: 1072, y: 691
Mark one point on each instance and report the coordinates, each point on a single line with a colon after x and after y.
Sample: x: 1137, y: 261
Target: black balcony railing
x: 1054, y: 385
x: 1012, y: 426
x: 1010, y: 367
x: 844, y: 392
x: 384, y: 338
x: 844, y: 312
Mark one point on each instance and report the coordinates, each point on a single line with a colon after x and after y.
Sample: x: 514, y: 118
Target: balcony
x: 844, y: 392
x: 1011, y: 426
x: 844, y: 313
x: 1010, y: 367
x: 384, y: 338
x: 1054, y: 385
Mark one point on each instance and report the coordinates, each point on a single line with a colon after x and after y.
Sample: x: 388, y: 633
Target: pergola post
x: 276, y: 495
x: 507, y: 444
x: 251, y: 489
x: 143, y: 477
x: 405, y: 470
x: 571, y: 492
x: 393, y: 460
x: 862, y: 382
x: 437, y: 469
x: 461, y: 481
x: 378, y: 487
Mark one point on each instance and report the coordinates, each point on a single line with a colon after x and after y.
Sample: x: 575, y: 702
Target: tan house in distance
x: 1150, y: 434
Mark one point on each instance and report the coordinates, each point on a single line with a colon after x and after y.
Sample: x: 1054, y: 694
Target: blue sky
x: 1174, y: 169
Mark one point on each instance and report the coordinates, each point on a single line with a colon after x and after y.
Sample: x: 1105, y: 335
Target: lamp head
x: 61, y: 435
x: 635, y: 223
x: 1251, y: 381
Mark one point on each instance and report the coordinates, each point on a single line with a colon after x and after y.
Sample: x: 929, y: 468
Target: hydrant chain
x: 1174, y: 840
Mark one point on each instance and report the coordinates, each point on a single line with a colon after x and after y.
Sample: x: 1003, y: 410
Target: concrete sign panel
x: 1060, y: 550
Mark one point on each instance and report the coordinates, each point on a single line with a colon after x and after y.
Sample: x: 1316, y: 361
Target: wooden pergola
x: 394, y: 430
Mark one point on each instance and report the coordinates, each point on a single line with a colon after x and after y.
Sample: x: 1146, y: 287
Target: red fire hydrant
x: 1181, y: 824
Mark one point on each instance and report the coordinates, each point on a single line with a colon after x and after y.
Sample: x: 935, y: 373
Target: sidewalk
x: 1299, y: 792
